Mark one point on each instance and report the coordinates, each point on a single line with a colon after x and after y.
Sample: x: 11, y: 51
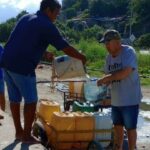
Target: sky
x: 11, y: 8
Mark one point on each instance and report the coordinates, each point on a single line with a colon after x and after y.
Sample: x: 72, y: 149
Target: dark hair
x: 51, y: 4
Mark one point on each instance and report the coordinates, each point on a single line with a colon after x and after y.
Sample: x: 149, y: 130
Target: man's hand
x: 105, y: 80
x: 48, y: 56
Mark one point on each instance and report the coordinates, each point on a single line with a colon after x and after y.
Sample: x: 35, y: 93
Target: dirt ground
x: 45, y: 92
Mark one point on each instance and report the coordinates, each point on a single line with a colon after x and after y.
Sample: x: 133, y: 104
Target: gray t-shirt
x: 127, y: 91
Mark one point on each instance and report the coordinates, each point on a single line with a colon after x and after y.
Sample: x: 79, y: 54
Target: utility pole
x: 131, y: 17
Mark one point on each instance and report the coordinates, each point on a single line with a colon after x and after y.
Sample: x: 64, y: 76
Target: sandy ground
x: 44, y: 92
x: 146, y: 92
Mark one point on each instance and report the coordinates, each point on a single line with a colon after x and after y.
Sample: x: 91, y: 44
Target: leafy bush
x: 92, y: 49
x: 70, y: 12
x: 144, y: 41
x: 143, y: 60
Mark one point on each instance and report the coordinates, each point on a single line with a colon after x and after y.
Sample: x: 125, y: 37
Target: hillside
x: 88, y: 19
x: 127, y: 16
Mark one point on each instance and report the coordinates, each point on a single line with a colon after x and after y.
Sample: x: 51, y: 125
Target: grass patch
x: 145, y: 81
x: 144, y: 68
x: 144, y: 106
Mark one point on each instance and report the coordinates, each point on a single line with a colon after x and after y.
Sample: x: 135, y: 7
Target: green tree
x: 70, y: 12
x: 84, y: 4
x: 140, y: 9
x: 96, y: 8
x: 6, y: 28
x: 144, y: 41
x: 68, y: 3
x: 24, y: 12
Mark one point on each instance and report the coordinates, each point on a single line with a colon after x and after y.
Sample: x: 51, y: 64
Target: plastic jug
x: 83, y: 107
x: 62, y: 122
x: 68, y: 67
x: 92, y: 92
x: 84, y: 122
x: 46, y: 109
x: 76, y: 87
x: 103, y: 121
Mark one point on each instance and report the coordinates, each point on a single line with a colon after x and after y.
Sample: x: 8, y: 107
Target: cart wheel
x: 43, y: 136
x: 39, y: 132
x: 35, y: 130
x: 67, y: 105
x: 94, y: 145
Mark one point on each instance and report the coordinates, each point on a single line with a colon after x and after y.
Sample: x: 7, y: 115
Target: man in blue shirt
x: 122, y: 73
x: 2, y: 95
x: 23, y: 51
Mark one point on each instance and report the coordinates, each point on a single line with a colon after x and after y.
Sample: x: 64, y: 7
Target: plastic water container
x: 84, y: 122
x: 103, y: 121
x: 46, y: 109
x: 68, y: 67
x: 62, y: 122
x: 71, y: 121
x: 92, y: 92
x: 76, y: 87
x: 83, y: 107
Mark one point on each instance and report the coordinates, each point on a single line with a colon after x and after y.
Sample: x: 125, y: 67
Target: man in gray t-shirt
x: 122, y: 75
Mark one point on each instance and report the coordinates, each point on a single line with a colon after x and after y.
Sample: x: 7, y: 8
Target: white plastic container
x: 103, y: 121
x: 68, y: 67
x: 92, y: 92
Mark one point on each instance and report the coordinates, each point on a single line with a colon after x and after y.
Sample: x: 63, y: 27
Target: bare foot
x: 19, y: 135
x: 30, y: 140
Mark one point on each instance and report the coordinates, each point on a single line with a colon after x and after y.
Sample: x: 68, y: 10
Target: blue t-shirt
x: 127, y: 91
x: 28, y: 41
x: 1, y: 71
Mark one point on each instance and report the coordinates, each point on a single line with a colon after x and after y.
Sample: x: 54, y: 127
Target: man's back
x: 24, y: 47
x: 1, y: 73
x: 28, y: 42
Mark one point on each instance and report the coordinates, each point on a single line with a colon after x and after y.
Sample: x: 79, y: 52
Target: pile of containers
x: 68, y: 130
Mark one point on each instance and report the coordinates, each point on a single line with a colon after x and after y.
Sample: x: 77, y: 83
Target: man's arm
x: 72, y: 52
x: 120, y: 75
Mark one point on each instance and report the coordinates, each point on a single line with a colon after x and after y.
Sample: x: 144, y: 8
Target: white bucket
x: 68, y: 67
